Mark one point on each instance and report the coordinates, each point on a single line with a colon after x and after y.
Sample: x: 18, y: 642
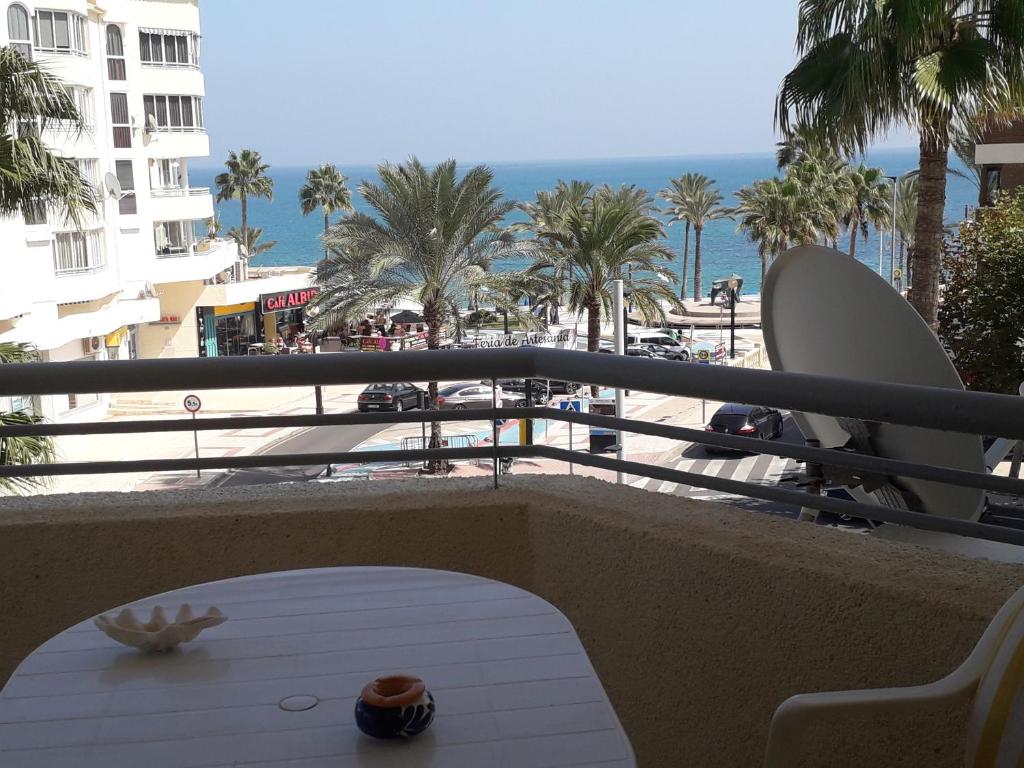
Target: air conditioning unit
x: 92, y: 345
x: 240, y: 271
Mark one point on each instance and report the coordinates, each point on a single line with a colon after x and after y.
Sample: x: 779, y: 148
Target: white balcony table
x: 513, y: 685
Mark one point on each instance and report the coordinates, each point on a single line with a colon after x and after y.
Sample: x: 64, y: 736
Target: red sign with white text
x: 285, y: 300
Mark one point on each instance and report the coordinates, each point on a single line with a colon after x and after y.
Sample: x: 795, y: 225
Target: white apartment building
x: 128, y: 283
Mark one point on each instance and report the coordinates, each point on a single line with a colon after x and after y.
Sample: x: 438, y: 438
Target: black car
x: 511, y: 387
x: 389, y: 397
x: 745, y: 421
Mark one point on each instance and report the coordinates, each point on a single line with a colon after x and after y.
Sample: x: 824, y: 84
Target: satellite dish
x: 825, y: 313
x: 113, y: 186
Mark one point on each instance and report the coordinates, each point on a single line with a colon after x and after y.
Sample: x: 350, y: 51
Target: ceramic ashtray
x: 394, y: 707
x: 158, y: 634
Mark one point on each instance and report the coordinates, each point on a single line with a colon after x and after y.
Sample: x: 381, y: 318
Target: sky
x: 358, y: 82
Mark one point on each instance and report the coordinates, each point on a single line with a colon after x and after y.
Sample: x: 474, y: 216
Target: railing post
x: 815, y: 479
x: 494, y: 422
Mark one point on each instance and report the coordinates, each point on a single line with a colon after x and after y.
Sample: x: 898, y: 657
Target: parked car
x: 633, y: 350
x: 661, y: 338
x: 564, y: 387
x: 669, y: 353
x: 514, y: 391
x: 389, y: 397
x: 465, y: 395
x: 745, y: 421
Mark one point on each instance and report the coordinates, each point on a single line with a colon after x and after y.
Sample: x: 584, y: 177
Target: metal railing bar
x: 249, y: 462
x: 950, y: 410
x: 798, y: 498
x: 826, y: 456
x: 260, y: 371
x: 265, y: 422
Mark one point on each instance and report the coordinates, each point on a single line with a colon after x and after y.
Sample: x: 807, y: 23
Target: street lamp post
x: 504, y: 312
x: 892, y: 238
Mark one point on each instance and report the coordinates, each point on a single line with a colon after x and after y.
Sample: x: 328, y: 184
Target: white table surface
x: 512, y: 682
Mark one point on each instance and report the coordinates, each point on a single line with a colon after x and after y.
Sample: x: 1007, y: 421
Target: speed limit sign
x: 897, y: 273
x: 704, y: 355
x: 193, y: 403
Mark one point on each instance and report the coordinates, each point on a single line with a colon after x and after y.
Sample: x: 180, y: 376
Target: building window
x: 18, y: 30
x: 82, y: 97
x: 173, y: 238
x: 120, y: 120
x: 34, y: 213
x: 990, y: 184
x: 173, y: 113
x: 168, y: 174
x: 169, y: 47
x: 115, y: 53
x: 60, y: 32
x: 77, y: 252
x: 126, y: 178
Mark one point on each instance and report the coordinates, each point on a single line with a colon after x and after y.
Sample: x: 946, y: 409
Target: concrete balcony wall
x: 164, y: 144
x: 180, y: 204
x: 166, y: 79
x: 194, y: 265
x: 700, y: 619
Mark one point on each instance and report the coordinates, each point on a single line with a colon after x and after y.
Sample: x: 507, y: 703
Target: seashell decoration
x: 158, y: 634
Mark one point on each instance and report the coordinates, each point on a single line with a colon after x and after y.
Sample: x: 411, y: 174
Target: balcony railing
x: 196, y: 248
x: 926, y: 407
x: 180, y: 191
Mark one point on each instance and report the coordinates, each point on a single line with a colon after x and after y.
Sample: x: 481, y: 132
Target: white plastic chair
x: 993, y: 675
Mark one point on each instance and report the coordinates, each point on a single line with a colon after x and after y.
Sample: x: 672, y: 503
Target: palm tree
x: 868, y: 202
x: 608, y: 235
x: 906, y: 212
x: 325, y: 190
x: 678, y: 196
x: 246, y: 177
x: 434, y: 239
x: 702, y: 205
x: 32, y: 177
x: 250, y: 240
x: 547, y: 211
x: 869, y: 66
x: 775, y: 214
x: 825, y: 190
x: 22, y: 449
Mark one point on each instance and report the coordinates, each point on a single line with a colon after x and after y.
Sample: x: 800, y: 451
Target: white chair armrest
x: 797, y: 713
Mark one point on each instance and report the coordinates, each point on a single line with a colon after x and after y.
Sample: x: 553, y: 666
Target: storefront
x: 228, y: 331
x: 284, y: 312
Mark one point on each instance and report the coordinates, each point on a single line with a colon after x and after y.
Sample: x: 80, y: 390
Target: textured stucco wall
x: 700, y: 619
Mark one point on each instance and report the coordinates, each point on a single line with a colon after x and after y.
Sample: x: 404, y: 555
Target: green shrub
x: 981, y: 318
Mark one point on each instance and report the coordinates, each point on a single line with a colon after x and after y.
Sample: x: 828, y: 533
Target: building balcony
x: 171, y: 78
x: 179, y: 203
x: 700, y: 618
x: 192, y: 142
x: 197, y: 260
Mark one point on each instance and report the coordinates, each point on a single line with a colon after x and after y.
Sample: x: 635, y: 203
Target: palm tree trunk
x: 853, y: 241
x: 697, y: 292
x: 593, y: 332
x: 686, y: 262
x: 245, y: 222
x: 901, y: 252
x: 931, y: 203
x: 764, y: 266
x: 433, y: 320
x: 326, y: 227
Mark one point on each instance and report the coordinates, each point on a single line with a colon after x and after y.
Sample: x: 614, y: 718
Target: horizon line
x: 553, y: 161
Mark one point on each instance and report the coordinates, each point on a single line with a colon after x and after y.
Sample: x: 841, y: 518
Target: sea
x: 725, y: 251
